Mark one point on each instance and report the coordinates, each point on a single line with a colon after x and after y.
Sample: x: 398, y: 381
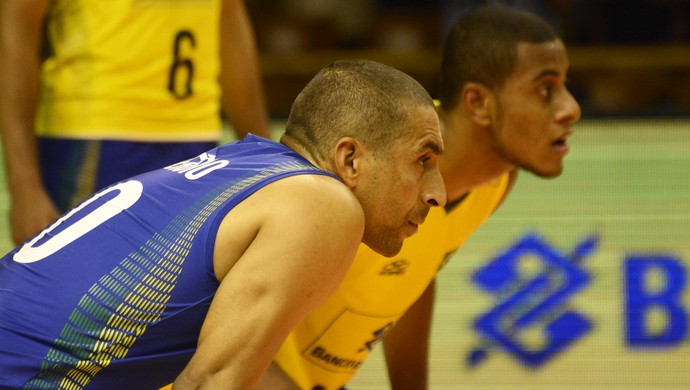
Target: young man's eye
x: 546, y: 91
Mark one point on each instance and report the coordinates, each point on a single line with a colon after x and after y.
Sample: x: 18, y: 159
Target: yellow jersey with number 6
x: 134, y: 70
x: 326, y: 349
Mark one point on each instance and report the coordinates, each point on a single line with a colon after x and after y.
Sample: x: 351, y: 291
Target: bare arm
x: 297, y: 257
x: 406, y: 346
x: 21, y: 26
x: 242, y: 88
x: 274, y: 378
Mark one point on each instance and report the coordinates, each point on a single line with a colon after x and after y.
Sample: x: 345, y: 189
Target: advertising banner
x: 580, y: 282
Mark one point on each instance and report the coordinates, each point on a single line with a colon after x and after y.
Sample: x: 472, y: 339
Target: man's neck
x: 471, y: 160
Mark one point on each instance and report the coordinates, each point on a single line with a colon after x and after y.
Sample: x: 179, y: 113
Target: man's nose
x: 435, y: 193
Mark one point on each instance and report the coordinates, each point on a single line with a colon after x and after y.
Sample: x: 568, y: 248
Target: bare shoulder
x: 278, y: 255
x: 310, y: 195
x: 318, y: 204
x: 303, y: 209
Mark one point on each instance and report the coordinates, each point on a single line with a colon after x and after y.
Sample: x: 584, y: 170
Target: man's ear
x: 478, y: 102
x: 348, y: 160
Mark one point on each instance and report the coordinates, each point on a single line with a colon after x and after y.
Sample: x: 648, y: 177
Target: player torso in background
x: 138, y: 70
x: 330, y: 345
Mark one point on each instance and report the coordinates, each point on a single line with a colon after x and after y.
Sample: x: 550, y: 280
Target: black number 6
x: 181, y: 64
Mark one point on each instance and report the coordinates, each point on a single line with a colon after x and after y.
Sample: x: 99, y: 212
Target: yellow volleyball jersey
x: 135, y: 70
x: 328, y: 347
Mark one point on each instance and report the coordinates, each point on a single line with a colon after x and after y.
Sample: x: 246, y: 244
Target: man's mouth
x: 561, y: 144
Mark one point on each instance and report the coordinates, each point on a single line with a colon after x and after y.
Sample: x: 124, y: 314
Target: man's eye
x: 546, y: 91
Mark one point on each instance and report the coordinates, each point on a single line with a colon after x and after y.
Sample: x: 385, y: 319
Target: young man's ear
x: 478, y: 102
x: 348, y: 160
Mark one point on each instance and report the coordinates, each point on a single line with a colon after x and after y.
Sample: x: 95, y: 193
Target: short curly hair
x: 482, y: 48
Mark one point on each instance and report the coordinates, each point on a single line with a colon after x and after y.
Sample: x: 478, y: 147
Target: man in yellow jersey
x: 124, y: 87
x: 504, y: 107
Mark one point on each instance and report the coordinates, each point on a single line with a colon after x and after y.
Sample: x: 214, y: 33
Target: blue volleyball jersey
x: 113, y: 294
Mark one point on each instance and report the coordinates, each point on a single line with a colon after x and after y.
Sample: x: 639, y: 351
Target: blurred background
x: 629, y: 57
x: 626, y: 183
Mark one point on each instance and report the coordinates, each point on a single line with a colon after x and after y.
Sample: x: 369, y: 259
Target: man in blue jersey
x: 197, y: 272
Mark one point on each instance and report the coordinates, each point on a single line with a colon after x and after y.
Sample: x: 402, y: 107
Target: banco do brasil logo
x: 532, y: 300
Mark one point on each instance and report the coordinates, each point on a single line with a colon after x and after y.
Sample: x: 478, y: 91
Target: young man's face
x: 535, y: 110
x: 403, y: 184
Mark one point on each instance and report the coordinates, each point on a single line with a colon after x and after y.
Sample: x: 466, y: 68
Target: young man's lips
x: 561, y: 144
x: 561, y: 147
